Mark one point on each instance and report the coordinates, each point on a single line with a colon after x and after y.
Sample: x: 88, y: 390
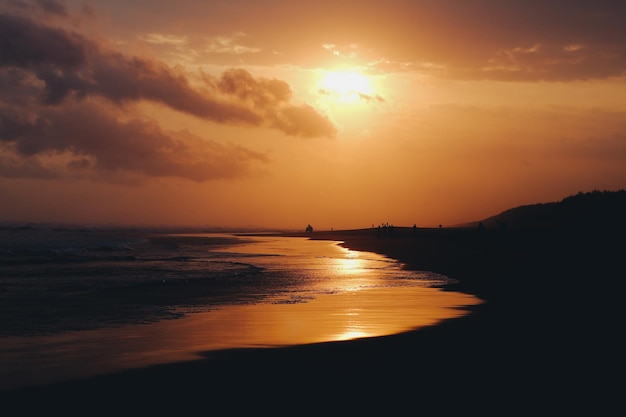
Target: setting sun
x: 346, y: 86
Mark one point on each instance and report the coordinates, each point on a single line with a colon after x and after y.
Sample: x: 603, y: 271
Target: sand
x: 547, y: 341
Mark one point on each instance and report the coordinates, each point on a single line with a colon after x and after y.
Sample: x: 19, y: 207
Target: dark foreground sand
x: 546, y: 342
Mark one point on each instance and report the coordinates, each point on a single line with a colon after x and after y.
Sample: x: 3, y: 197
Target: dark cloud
x: 302, y: 121
x: 72, y: 66
x: 52, y: 7
x: 47, y: 7
x: 97, y: 140
x: 270, y: 98
x: 261, y: 93
x: 29, y: 45
x: 55, y: 123
x: 16, y: 166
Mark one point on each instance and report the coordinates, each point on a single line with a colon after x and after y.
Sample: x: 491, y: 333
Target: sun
x: 346, y: 87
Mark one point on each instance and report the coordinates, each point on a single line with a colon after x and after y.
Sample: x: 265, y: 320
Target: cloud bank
x: 514, y: 40
x: 64, y: 94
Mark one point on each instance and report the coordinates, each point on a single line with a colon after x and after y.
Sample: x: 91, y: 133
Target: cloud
x: 71, y: 66
x: 229, y: 45
x: 37, y: 7
x: 368, y: 98
x: 177, y: 48
x: 463, y: 39
x: 52, y: 7
x: 270, y: 98
x: 517, y: 40
x: 165, y: 39
x: 88, y: 137
x: 15, y: 166
x: 65, y: 110
x: 302, y: 121
x: 32, y: 46
x: 350, y: 51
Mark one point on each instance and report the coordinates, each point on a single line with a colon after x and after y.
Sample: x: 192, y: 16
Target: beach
x: 401, y: 207
x: 545, y: 341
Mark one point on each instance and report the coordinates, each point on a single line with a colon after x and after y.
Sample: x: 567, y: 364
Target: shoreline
x: 529, y: 337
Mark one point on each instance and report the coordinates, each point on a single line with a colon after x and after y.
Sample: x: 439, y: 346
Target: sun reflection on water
x: 352, y: 334
x: 350, y: 263
x: 329, y: 294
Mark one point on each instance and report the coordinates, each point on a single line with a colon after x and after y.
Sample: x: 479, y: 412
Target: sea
x: 78, y: 301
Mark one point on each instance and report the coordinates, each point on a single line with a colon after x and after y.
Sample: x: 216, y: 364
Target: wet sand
x: 357, y: 313
x: 547, y: 341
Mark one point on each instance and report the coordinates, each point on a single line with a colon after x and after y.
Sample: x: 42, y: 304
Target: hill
x: 591, y: 210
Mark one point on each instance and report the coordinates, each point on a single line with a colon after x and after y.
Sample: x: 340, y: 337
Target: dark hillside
x: 596, y: 209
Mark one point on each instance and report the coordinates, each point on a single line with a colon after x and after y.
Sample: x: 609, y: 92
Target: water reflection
x: 332, y: 294
x: 349, y: 264
x: 352, y: 334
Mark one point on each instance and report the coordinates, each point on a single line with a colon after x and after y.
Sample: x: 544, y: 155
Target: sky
x: 279, y: 114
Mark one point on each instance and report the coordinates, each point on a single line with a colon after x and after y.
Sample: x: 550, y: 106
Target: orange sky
x: 279, y: 113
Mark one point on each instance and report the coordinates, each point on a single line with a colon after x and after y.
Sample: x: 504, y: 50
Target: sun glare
x: 352, y: 334
x: 346, y: 87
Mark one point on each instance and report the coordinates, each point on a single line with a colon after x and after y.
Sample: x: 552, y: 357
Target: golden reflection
x: 355, y: 303
x: 352, y: 334
x: 344, y: 316
x: 350, y: 263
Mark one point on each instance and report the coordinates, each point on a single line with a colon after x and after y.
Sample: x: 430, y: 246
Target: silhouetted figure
x: 309, y: 229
